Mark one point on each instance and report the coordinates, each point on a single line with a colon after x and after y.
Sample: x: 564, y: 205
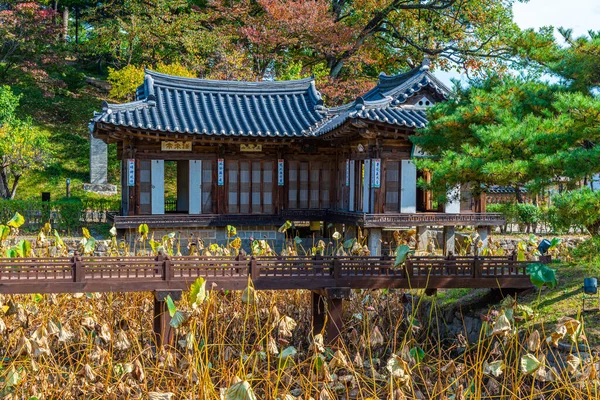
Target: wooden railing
x: 335, y: 216
x: 97, y: 274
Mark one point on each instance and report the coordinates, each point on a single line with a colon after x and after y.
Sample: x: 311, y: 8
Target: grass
x: 65, y: 118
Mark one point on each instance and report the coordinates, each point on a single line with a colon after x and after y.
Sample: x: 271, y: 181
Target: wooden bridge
x: 329, y: 278
x: 131, y: 274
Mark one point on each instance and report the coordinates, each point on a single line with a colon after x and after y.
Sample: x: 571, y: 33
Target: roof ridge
x: 160, y: 77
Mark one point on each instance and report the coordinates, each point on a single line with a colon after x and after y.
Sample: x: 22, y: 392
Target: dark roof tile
x: 264, y: 109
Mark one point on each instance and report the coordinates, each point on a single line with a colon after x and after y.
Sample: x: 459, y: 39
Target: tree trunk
x: 65, y: 21
x: 518, y: 194
x: 15, y: 184
x: 77, y: 26
x: 4, y: 190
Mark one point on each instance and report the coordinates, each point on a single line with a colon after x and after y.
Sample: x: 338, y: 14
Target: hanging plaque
x: 280, y: 172
x: 347, y: 172
x: 251, y: 147
x: 131, y: 172
x: 376, y: 168
x: 220, y: 172
x: 175, y: 146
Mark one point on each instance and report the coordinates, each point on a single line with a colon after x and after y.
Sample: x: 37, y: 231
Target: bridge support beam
x: 163, y: 333
x: 375, y: 241
x: 449, y: 240
x: 327, y: 312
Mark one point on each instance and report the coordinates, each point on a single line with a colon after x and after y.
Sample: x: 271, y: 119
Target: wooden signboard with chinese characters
x: 251, y: 148
x: 175, y: 146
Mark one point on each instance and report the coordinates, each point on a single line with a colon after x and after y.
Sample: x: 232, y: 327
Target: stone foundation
x: 105, y: 189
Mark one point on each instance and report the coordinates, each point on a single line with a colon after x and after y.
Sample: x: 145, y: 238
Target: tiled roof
x: 168, y: 103
x: 188, y: 105
x: 503, y: 190
x: 402, y: 86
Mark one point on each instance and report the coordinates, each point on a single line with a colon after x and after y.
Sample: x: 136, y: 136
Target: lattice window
x: 145, y: 188
x: 293, y: 184
x: 244, y: 187
x: 207, y: 186
x: 233, y: 187
x: 304, y: 185
x: 267, y: 187
x: 392, y: 186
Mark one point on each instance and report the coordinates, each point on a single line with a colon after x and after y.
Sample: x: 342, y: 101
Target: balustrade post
x: 337, y: 268
x: 167, y: 271
x: 78, y: 270
x: 254, y: 269
x: 476, y: 267
x: 318, y: 264
x: 239, y: 258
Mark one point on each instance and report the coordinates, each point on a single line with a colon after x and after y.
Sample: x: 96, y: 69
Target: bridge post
x: 78, y: 270
x: 318, y: 312
x: 337, y: 268
x: 476, y: 267
x: 327, y: 305
x: 163, y: 333
x: 254, y: 271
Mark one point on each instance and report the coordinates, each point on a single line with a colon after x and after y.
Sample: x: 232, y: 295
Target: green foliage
x: 523, y: 214
x: 487, y: 136
x: 541, y: 274
x: 8, y: 104
x: 521, y: 132
x: 402, y: 252
x: 588, y: 250
x: 126, y: 80
x: 578, y: 208
x: 198, y: 291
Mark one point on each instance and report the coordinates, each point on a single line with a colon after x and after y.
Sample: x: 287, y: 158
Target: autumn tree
x: 28, y: 37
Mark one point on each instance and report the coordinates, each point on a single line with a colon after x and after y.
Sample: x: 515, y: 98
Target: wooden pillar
x: 327, y: 305
x: 335, y: 311
x: 449, y: 240
x: 163, y: 332
x: 318, y: 312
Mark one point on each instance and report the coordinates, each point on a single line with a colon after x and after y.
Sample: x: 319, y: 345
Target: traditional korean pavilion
x: 198, y: 155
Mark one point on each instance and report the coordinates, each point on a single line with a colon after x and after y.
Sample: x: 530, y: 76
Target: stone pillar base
x: 104, y: 189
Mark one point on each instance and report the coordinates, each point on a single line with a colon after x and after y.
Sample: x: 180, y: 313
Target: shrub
x: 588, y: 250
x: 65, y: 215
x: 578, y: 208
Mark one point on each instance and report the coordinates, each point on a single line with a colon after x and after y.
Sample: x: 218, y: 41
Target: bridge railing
x: 274, y: 272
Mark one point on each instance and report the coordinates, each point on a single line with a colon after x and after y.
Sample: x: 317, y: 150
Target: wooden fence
x: 126, y: 274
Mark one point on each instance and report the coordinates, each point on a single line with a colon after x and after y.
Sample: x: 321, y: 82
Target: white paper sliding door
x: 157, y: 176
x: 195, y: 188
x: 408, y: 187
